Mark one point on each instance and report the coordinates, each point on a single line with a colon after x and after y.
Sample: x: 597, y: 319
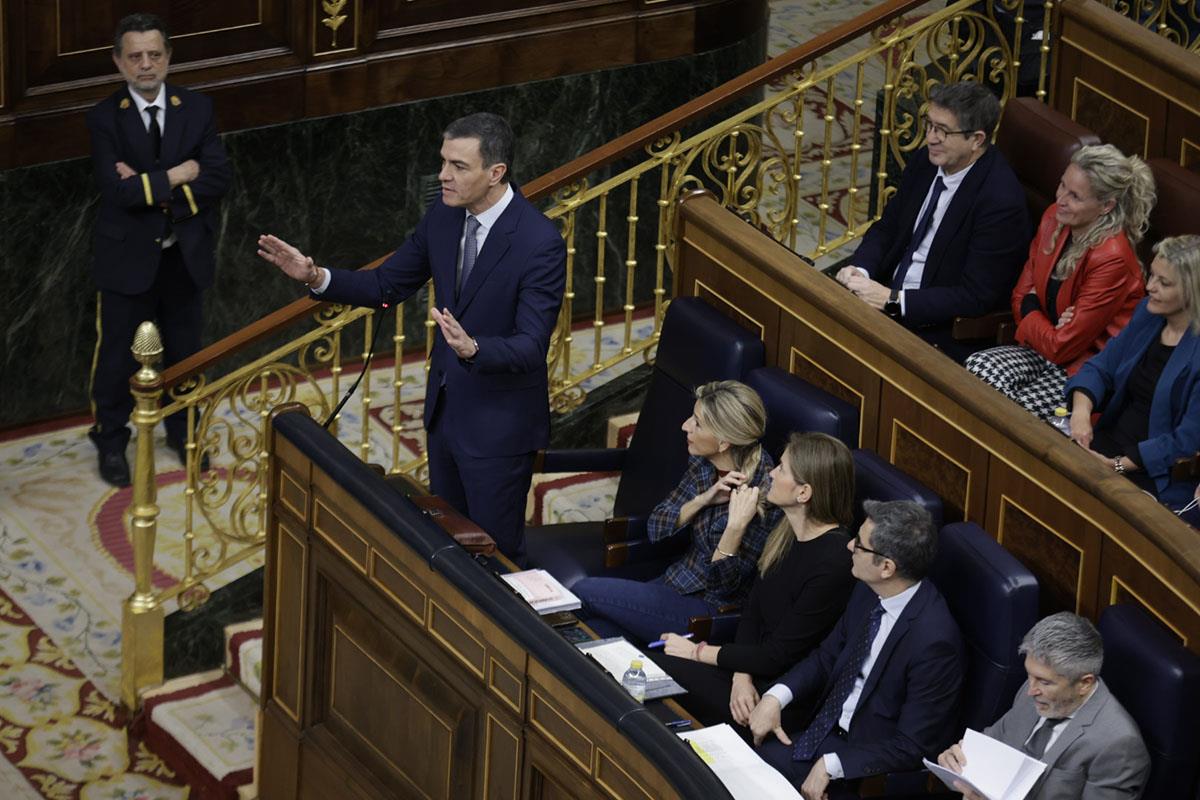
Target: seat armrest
x: 599, y: 459
x: 624, y: 529
x: 987, y: 326
x: 641, y: 551
x: 1186, y: 469
x: 717, y: 629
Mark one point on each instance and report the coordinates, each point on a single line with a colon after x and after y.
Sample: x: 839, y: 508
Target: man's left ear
x: 1086, y: 683
x: 497, y: 172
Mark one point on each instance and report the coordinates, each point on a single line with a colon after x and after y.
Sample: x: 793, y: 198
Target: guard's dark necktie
x: 470, y: 252
x: 155, y: 133
x: 1036, y: 746
x: 918, y: 234
x: 831, y: 710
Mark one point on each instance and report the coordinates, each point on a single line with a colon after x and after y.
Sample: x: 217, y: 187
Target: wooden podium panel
x: 1090, y: 536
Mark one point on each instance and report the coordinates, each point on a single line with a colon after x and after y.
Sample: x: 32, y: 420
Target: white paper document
x: 993, y: 769
x: 542, y: 591
x: 615, y: 654
x: 744, y: 773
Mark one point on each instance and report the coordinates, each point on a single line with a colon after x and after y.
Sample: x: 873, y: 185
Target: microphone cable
x: 366, y: 365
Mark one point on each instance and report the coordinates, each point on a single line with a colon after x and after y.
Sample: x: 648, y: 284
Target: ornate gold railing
x: 811, y: 160
x: 1175, y: 20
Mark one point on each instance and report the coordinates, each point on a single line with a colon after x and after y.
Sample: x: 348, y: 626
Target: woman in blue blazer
x: 1146, y: 381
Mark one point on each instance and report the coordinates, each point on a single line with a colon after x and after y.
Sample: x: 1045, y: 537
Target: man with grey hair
x: 952, y: 241
x: 1067, y: 718
x: 884, y: 684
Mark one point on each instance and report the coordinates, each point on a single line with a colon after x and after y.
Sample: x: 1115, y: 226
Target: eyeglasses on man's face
x: 942, y: 131
x: 858, y: 545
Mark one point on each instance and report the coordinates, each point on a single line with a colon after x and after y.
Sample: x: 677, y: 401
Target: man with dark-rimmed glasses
x: 952, y: 240
x: 884, y: 684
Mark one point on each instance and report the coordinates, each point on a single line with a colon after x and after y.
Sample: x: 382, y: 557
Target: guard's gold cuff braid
x: 191, y: 199
x: 146, y: 188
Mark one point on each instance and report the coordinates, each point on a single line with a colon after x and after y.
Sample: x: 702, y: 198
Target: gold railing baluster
x: 601, y: 247
x: 1044, y: 68
x: 855, y: 148
x: 630, y: 265
x: 397, y: 385
x: 142, y: 616
x: 335, y: 372
x: 660, y: 244
x: 826, y: 163
x: 797, y: 159
x: 569, y: 299
x: 365, y: 387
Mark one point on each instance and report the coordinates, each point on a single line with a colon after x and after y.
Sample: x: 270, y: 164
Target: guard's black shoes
x: 114, y: 469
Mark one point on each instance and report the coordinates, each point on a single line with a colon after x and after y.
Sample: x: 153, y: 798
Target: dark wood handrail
x: 545, y: 185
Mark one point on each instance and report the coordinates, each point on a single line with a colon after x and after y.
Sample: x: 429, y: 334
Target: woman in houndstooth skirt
x: 1081, y: 282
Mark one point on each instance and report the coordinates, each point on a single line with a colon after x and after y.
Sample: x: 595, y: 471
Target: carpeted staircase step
x: 204, y: 726
x: 243, y: 655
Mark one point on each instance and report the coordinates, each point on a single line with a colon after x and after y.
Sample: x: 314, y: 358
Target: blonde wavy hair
x: 1125, y: 180
x: 1183, y: 253
x: 825, y: 464
x: 734, y: 413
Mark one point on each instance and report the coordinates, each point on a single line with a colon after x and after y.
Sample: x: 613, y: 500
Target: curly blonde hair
x: 734, y: 413
x: 1125, y: 180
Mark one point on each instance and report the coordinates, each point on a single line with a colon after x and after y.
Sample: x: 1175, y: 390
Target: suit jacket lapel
x: 494, y: 248
x: 910, y: 613
x: 1076, y: 727
x: 176, y: 121
x: 133, y: 130
x: 443, y: 256
x: 952, y: 220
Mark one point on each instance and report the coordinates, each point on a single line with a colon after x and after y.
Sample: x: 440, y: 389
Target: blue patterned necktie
x: 808, y: 742
x: 918, y: 234
x: 470, y: 251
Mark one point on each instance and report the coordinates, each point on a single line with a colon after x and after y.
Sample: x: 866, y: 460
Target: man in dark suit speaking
x: 498, y: 268
x: 883, y: 686
x: 953, y: 239
x: 161, y: 171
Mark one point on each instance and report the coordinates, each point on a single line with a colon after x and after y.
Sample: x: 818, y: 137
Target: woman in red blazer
x: 1081, y: 282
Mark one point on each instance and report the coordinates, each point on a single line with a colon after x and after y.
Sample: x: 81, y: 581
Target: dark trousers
x: 779, y: 756
x: 175, y: 305
x: 491, y: 491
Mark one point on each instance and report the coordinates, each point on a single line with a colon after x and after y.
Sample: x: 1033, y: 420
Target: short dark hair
x: 494, y: 135
x: 140, y: 23
x: 904, y: 533
x: 971, y: 103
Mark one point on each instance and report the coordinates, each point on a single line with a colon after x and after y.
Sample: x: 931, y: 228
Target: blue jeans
x: 640, y: 611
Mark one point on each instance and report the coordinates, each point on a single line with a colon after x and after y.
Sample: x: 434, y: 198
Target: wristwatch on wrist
x: 1118, y: 466
x: 892, y: 306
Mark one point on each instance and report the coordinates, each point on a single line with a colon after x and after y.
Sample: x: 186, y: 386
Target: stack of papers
x: 615, y: 655
x: 542, y: 591
x: 995, y: 770
x: 744, y: 773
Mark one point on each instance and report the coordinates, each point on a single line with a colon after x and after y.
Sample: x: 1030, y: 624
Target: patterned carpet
x: 65, y: 569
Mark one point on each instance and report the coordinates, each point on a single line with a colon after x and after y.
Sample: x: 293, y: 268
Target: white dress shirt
x: 893, y: 607
x: 487, y: 220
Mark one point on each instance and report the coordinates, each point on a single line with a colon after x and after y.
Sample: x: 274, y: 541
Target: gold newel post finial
x: 142, y: 620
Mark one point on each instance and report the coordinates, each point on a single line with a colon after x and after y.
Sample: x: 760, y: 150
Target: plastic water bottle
x: 1062, y: 421
x: 634, y: 680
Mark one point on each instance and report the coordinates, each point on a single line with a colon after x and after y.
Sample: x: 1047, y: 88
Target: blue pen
x: 661, y: 642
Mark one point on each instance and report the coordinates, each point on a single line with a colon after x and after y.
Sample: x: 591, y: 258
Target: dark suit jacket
x: 1098, y: 756
x: 977, y: 250
x: 134, y: 213
x: 1174, y: 430
x: 909, y: 704
x: 509, y: 304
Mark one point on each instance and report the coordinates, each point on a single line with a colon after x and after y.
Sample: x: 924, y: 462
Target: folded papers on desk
x: 744, y: 773
x: 616, y: 653
x: 542, y: 591
x: 995, y: 770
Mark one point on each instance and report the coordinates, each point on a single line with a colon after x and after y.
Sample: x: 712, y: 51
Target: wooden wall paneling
x: 1048, y: 535
x: 284, y: 680
x: 1182, y: 138
x: 821, y: 352
x: 920, y: 440
x: 501, y: 755
x: 546, y: 775
x: 1124, y: 578
x: 326, y: 771
x: 278, y: 768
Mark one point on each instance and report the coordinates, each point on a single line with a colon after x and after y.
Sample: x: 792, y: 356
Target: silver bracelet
x: 727, y: 555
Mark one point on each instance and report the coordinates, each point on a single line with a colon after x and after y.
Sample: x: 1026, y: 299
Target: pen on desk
x: 661, y: 642
x: 678, y: 723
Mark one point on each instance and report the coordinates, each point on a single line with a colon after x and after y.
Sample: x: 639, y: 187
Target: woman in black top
x: 802, y: 587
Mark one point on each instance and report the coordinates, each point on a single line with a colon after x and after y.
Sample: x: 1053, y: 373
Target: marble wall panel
x: 346, y: 189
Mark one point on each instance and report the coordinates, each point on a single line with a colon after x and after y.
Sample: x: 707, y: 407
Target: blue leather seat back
x: 994, y: 599
x: 1158, y: 681
x: 697, y: 345
x: 794, y: 404
x: 876, y: 479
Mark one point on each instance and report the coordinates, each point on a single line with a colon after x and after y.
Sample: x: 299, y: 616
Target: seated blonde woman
x: 716, y: 505
x: 1081, y: 282
x: 801, y: 589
